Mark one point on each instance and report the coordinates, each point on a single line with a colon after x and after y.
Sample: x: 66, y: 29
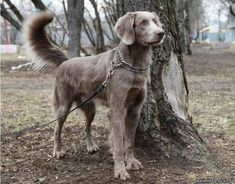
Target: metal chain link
x: 122, y: 63
x: 128, y: 66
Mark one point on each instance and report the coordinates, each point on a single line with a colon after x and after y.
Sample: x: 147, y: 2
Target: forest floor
x: 25, y: 99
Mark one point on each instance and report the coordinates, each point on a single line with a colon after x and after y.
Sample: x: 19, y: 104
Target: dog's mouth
x: 157, y: 42
x: 153, y: 42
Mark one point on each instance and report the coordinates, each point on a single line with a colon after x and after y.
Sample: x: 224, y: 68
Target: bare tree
x: 98, y: 26
x: 182, y: 11
x: 111, y: 18
x: 229, y: 5
x: 93, y: 26
x: 166, y: 125
x: 75, y: 18
x: 5, y: 14
x: 89, y: 33
x: 96, y: 30
x: 197, y: 17
x: 65, y: 11
x: 39, y: 4
x: 15, y: 10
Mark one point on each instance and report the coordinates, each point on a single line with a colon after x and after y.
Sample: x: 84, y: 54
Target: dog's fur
x: 77, y: 78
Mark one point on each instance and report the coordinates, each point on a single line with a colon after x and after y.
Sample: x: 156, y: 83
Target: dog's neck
x: 136, y: 54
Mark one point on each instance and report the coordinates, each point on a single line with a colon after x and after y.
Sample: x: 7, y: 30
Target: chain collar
x: 123, y: 64
x: 126, y: 65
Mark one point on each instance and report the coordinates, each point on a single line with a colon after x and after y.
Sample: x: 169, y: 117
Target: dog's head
x: 142, y: 27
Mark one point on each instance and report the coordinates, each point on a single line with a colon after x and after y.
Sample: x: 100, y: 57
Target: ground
x: 25, y: 100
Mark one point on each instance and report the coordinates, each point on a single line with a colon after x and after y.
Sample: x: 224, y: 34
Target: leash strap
x: 96, y: 92
x: 36, y: 126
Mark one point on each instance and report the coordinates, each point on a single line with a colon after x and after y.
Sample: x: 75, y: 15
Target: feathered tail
x: 39, y: 48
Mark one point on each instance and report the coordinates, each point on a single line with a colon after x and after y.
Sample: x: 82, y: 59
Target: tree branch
x: 100, y: 36
x: 65, y: 11
x: 15, y: 10
x: 39, y: 4
x: 5, y: 14
x: 109, y: 23
x: 89, y: 32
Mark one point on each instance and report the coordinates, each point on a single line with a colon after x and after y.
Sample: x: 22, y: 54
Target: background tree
x: 227, y: 4
x: 98, y: 29
x: 191, y: 19
x: 6, y: 15
x: 197, y: 18
x: 183, y: 17
x: 166, y: 125
x: 75, y: 18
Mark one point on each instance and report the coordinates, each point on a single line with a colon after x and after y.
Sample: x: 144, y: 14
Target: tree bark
x: 180, y: 12
x: 165, y: 125
x: 183, y: 17
x: 75, y: 18
x: 187, y: 28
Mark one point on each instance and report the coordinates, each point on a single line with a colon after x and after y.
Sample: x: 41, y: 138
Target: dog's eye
x: 143, y: 23
x: 155, y: 21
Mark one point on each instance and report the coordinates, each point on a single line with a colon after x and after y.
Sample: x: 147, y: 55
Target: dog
x: 79, y: 77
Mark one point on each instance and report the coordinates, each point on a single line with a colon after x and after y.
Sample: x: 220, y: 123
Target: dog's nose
x: 160, y: 34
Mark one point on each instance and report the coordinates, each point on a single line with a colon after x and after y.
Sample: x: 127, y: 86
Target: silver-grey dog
x: 79, y: 77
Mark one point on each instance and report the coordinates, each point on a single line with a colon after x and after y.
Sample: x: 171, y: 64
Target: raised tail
x: 39, y: 48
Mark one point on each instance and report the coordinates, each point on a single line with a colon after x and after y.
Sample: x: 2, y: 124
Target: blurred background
x: 207, y: 40
x: 200, y: 21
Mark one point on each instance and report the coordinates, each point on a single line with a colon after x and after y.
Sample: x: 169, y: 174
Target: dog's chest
x: 138, y: 79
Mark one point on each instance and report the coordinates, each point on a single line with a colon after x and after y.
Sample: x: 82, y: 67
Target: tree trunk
x: 232, y: 8
x: 75, y: 18
x: 180, y: 13
x: 165, y: 125
x: 187, y: 28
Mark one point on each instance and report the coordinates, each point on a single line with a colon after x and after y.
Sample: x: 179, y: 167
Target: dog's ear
x: 155, y: 15
x: 125, y: 28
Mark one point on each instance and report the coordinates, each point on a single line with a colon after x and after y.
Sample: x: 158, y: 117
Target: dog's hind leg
x: 89, y: 111
x: 62, y: 106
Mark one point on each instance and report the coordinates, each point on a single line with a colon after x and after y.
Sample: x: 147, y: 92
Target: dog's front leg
x: 118, y: 118
x: 131, y: 124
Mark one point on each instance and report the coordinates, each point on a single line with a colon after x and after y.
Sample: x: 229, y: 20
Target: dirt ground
x: 25, y: 99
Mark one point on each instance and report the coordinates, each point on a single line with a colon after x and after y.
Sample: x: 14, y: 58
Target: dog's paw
x: 92, y: 148
x: 58, y: 154
x: 133, y: 164
x: 122, y: 173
